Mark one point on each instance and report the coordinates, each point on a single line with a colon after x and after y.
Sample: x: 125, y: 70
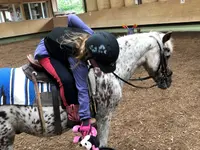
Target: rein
x: 162, y: 66
x: 141, y: 87
x: 140, y: 79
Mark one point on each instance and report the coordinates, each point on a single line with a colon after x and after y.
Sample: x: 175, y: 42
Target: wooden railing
x: 170, y: 12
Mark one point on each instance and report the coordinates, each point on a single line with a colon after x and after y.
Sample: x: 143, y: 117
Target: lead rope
x: 141, y: 87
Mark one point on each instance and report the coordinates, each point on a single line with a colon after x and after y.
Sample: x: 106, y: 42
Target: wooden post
x: 30, y: 12
x: 46, y: 8
x: 14, y: 11
x: 43, y: 16
x: 1, y: 20
x: 50, y: 8
x: 4, y: 15
x: 54, y: 5
x: 139, y: 2
x: 84, y: 5
x: 22, y: 10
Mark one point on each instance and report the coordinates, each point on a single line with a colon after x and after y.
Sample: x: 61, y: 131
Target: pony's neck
x: 132, y: 49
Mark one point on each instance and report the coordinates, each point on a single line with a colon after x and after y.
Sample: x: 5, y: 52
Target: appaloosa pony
x: 18, y: 114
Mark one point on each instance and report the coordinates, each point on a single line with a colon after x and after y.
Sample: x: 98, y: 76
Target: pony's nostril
x: 171, y: 73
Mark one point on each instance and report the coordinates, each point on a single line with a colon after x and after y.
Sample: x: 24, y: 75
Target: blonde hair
x: 78, y: 40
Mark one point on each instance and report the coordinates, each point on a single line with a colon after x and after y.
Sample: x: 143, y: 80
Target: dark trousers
x: 66, y: 82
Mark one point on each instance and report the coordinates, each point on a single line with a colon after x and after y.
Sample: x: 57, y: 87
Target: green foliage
x: 70, y: 6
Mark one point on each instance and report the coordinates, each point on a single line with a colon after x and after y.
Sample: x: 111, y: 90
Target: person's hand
x: 85, y: 127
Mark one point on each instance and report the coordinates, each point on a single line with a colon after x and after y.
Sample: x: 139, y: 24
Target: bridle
x: 162, y: 69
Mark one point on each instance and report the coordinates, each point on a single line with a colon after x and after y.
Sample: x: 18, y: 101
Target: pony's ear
x: 166, y: 37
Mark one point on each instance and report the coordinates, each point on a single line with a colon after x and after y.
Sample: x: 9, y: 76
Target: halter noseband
x: 163, y: 63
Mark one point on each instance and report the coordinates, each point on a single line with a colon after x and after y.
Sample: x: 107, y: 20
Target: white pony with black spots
x: 136, y: 50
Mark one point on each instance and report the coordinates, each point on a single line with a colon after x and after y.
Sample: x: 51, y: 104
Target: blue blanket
x: 17, y: 89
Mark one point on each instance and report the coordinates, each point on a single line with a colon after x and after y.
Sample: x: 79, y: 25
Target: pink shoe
x: 76, y: 139
x: 93, y: 131
x: 76, y: 128
x: 94, y: 148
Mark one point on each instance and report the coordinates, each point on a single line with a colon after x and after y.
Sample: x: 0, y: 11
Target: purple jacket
x: 80, y: 72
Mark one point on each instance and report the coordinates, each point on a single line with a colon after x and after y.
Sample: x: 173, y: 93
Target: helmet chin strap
x: 92, y: 64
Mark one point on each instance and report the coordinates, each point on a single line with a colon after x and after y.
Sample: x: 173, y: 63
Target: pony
x: 151, y: 50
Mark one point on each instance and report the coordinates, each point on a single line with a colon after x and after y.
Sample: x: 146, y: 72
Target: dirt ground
x: 152, y: 119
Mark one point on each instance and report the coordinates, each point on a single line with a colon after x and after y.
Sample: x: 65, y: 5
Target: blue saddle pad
x: 17, y: 89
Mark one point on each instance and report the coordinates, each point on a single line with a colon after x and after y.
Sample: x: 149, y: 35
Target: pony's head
x: 155, y: 61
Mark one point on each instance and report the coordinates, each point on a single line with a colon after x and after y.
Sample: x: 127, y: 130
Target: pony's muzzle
x: 164, y: 82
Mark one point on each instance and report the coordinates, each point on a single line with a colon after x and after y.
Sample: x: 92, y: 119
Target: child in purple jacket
x: 65, y: 53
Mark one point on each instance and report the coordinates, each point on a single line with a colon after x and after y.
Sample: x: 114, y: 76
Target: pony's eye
x: 166, y: 50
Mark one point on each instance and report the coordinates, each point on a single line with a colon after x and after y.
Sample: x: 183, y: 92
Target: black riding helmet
x: 104, y: 49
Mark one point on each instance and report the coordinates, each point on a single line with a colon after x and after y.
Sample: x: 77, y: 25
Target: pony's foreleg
x: 7, y: 132
x: 6, y: 147
x: 103, y: 124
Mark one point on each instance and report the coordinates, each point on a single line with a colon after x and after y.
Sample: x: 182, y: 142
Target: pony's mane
x: 158, y: 35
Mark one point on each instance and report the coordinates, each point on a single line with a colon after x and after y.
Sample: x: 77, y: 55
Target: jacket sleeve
x: 80, y: 73
x: 76, y: 22
x: 41, y: 51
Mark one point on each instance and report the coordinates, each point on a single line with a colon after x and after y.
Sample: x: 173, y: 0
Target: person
x: 65, y: 53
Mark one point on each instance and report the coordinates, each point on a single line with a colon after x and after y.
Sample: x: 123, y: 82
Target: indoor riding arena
x: 145, y: 119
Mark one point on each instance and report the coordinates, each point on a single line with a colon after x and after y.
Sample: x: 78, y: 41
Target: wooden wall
x: 10, y: 29
x: 170, y: 11
x: 167, y: 12
x: 18, y: 1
